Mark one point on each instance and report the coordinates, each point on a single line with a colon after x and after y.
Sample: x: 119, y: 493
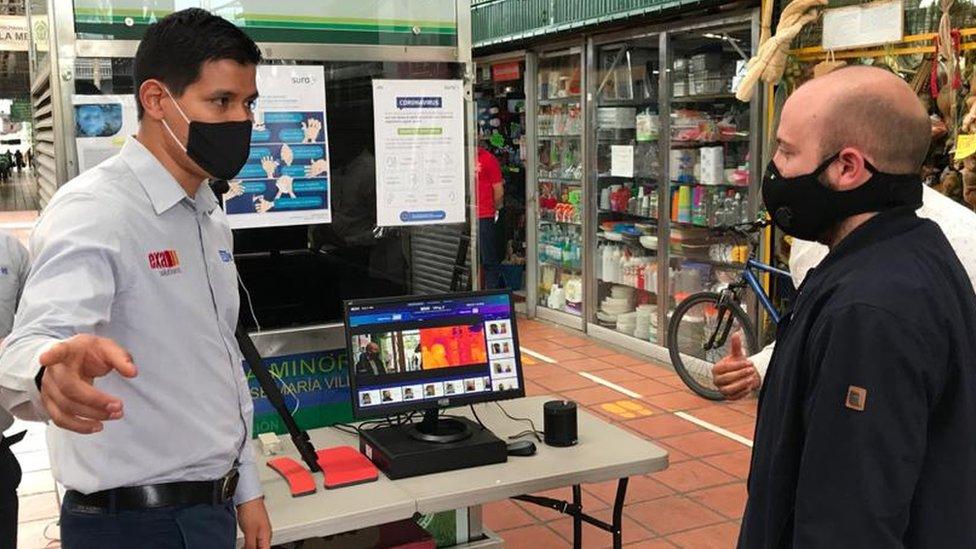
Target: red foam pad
x: 300, y: 481
x: 345, y: 466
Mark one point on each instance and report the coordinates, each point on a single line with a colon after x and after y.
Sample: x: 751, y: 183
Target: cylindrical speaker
x: 560, y: 422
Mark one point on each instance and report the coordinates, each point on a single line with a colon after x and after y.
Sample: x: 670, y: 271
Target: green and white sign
x: 369, y: 22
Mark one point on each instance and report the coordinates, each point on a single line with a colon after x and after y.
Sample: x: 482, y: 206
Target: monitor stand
x: 434, y: 445
x: 439, y: 430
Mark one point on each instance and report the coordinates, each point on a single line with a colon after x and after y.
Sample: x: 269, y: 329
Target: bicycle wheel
x: 692, y: 325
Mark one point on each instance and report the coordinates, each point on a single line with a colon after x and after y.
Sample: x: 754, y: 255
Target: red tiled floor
x: 692, y: 475
x: 719, y: 536
x: 735, y: 463
x: 747, y: 430
x: 593, y: 395
x: 542, y: 370
x: 663, y: 425
x: 705, y: 443
x: 730, y: 500
x: 653, y: 370
x: 678, y: 400
x: 562, y: 355
x: 543, y: 346
x: 673, y: 514
x: 621, y: 359
x: 647, y: 387
x: 674, y: 455
x: 594, y: 537
x: 532, y: 537
x: 534, y: 389
x: 572, y: 342
x: 586, y: 365
x: 659, y: 543
x: 639, y: 489
x: 504, y: 515
x: 564, y: 382
x: 674, y: 382
x: 621, y: 376
x: 723, y: 416
x: 595, y: 350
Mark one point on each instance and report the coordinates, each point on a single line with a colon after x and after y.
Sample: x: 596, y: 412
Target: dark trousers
x: 9, y: 480
x: 489, y: 252
x: 186, y: 527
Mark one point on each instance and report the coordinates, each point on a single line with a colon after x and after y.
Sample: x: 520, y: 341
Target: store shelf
x: 642, y: 178
x: 564, y: 136
x: 653, y: 292
x: 704, y: 98
x: 573, y: 223
x: 701, y: 144
x: 699, y: 184
x: 626, y: 103
x: 712, y: 262
x: 561, y: 267
x: 562, y: 180
x: 628, y: 214
x: 561, y: 100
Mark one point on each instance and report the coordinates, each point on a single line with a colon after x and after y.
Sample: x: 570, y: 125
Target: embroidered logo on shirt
x: 226, y: 256
x: 856, y: 398
x: 4, y: 271
x: 165, y: 262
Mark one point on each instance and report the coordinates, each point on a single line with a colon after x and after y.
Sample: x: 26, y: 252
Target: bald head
x: 865, y: 108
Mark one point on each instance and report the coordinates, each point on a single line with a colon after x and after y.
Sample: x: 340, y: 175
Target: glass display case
x: 670, y: 160
x: 713, y: 177
x: 626, y: 186
x: 559, y: 125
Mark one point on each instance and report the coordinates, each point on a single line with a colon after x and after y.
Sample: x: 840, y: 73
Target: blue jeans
x: 489, y: 252
x: 184, y: 527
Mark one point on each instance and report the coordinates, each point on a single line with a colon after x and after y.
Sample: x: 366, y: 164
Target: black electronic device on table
x: 423, y: 354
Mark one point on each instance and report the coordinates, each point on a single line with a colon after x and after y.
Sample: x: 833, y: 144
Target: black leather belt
x: 135, y: 498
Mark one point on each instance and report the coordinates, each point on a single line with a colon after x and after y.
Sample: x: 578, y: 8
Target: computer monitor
x: 422, y: 353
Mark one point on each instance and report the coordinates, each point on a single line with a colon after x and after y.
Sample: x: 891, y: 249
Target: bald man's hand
x: 67, y: 386
x: 736, y: 376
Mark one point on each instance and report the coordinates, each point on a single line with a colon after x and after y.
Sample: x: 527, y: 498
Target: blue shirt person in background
x: 124, y: 338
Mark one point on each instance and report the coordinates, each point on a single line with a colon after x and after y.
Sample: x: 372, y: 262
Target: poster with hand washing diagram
x: 286, y: 178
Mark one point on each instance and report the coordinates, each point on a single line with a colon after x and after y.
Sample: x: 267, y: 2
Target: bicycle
x: 700, y: 326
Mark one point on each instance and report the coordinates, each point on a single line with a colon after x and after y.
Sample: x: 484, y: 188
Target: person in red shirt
x: 491, y: 192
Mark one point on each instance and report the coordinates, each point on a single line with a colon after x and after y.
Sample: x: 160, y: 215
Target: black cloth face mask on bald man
x: 219, y: 148
x: 806, y: 208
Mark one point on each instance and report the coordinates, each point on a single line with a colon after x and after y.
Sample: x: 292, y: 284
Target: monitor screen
x: 419, y: 352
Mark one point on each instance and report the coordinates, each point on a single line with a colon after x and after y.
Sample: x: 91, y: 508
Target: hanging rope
x: 770, y: 59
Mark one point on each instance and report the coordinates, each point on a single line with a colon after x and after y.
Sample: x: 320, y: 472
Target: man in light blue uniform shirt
x: 125, y: 334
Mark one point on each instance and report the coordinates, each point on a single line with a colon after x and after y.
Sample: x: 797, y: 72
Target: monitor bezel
x: 361, y: 413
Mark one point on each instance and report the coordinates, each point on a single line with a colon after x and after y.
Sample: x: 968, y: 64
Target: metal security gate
x: 434, y: 254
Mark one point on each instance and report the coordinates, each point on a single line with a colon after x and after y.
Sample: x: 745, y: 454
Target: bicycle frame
x: 753, y: 282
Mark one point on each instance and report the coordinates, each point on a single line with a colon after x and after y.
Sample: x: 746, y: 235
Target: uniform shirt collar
x: 162, y: 188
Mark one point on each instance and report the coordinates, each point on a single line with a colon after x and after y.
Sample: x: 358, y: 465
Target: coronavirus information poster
x: 419, y: 132
x: 286, y: 178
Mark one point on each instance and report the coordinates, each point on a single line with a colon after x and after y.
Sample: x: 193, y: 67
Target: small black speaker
x: 560, y: 422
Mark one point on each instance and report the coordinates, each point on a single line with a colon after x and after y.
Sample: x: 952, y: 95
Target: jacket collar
x: 160, y: 186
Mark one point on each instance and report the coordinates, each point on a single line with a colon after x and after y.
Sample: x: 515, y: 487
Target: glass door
x: 559, y: 179
x: 713, y: 179
x: 626, y: 184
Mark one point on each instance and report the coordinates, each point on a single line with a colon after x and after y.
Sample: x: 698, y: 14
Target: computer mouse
x: 521, y: 448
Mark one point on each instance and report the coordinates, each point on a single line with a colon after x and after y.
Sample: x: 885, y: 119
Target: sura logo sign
x: 302, y: 80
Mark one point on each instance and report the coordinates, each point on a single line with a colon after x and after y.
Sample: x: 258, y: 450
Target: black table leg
x: 577, y: 517
x: 618, y: 513
x: 575, y: 510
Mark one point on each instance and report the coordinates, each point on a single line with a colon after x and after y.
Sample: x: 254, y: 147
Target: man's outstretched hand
x: 67, y: 389
x: 735, y: 375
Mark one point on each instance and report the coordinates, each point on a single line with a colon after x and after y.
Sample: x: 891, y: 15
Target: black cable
x: 348, y: 429
x: 535, y: 432
x: 483, y: 428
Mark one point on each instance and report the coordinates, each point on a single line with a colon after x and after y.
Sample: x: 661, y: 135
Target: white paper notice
x: 863, y: 25
x: 622, y: 160
x: 286, y: 178
x: 419, y: 132
x: 102, y: 124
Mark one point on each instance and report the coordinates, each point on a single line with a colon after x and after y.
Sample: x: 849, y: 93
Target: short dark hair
x: 175, y: 47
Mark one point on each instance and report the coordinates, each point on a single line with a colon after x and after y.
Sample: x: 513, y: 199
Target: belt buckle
x: 228, y: 485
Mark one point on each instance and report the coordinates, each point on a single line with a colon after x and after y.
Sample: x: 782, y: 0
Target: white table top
x: 605, y: 452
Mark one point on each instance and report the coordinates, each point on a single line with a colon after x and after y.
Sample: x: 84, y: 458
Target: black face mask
x: 219, y: 148
x: 804, y: 207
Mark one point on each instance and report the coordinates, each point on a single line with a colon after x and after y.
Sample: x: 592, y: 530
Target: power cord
x: 473, y: 411
x: 534, y: 432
